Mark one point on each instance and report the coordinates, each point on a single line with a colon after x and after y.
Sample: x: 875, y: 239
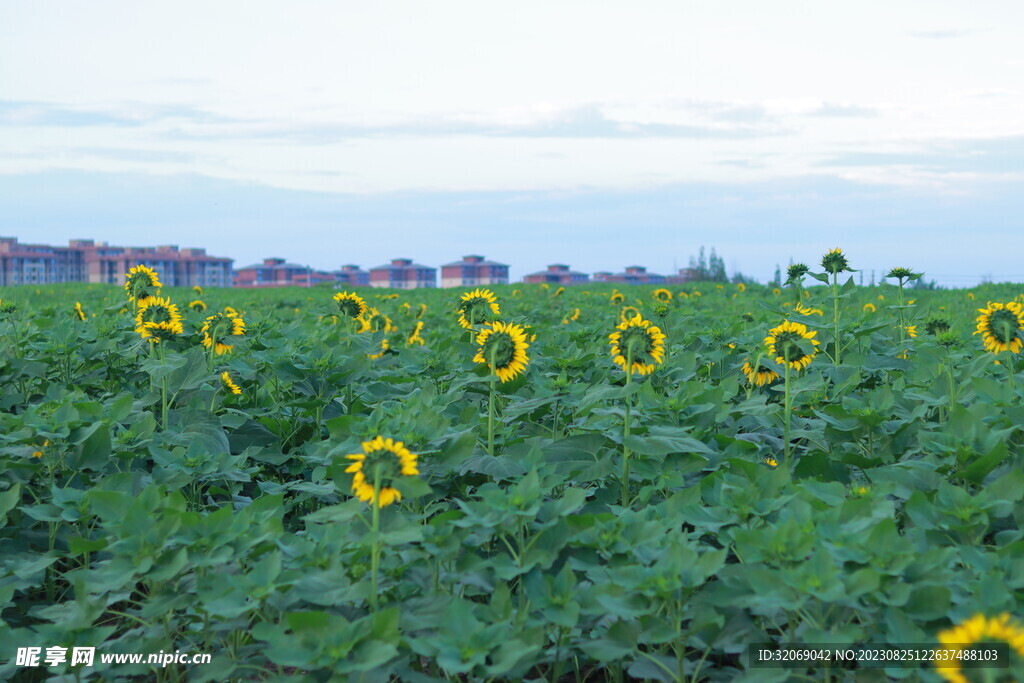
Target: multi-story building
x: 402, y: 273
x: 558, y: 273
x: 276, y: 272
x: 473, y: 270
x: 352, y: 275
x: 633, y: 275
x: 89, y: 261
x: 685, y: 275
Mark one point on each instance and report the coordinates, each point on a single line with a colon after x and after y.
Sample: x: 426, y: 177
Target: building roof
x: 473, y: 263
x: 275, y: 266
x: 392, y: 266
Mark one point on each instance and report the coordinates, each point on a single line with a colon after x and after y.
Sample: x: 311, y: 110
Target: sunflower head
x: 869, y: 307
x: 617, y: 298
x: 351, y: 305
x: 384, y: 346
x: 807, y: 310
x: 792, y: 344
x: 628, y: 312
x: 228, y: 384
x: 1000, y: 327
x: 976, y: 631
x: 637, y: 346
x: 911, y: 331
x: 776, y: 291
x: 375, y: 321
x: 141, y: 283
x: 198, y: 306
x: 747, y: 317
x: 835, y: 261
x: 503, y: 346
x: 77, y: 313
x: 158, y: 319
x: 7, y: 307
x: 935, y: 326
x: 375, y: 470
x: 661, y: 294
x: 900, y: 274
x: 219, y: 328
x: 478, y: 307
x: 740, y: 287
x: 198, y: 290
x: 416, y: 336
x: 771, y: 462
x: 796, y: 271
x: 758, y: 374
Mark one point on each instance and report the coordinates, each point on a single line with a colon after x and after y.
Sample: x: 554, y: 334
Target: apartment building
x: 99, y: 262
x: 632, y: 275
x: 558, y: 273
x: 473, y: 270
x: 402, y: 273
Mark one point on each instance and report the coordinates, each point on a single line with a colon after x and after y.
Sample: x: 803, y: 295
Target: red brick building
x: 685, y: 275
x: 402, y: 273
x: 352, y: 275
x: 558, y: 273
x: 90, y: 261
x: 276, y: 272
x: 473, y: 270
x: 633, y: 275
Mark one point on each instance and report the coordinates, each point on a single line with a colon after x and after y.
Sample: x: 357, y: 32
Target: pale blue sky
x: 597, y: 134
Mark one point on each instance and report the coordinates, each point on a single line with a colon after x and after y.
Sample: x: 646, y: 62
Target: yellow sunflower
x: 39, y: 453
x: 503, y: 348
x: 77, y: 311
x: 382, y: 461
x: 639, y: 339
x: 760, y: 375
x: 771, y: 462
x: 375, y: 321
x: 661, y: 294
x: 740, y: 287
x: 384, y: 346
x: 573, y: 317
x: 976, y: 630
x: 416, y: 337
x: 351, y: 305
x: 217, y: 328
x: 158, y: 319
x: 617, y: 298
x: 776, y: 291
x: 198, y: 306
x: 198, y: 290
x: 558, y: 292
x: 141, y: 283
x: 628, y: 312
x: 1000, y: 327
x: 784, y: 344
x: 478, y: 307
x: 229, y: 384
x: 807, y: 310
x: 911, y: 331
x: 870, y: 307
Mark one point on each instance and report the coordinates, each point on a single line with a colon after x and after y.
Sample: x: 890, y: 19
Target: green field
x: 574, y: 523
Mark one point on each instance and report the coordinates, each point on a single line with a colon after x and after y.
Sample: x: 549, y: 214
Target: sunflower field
x: 519, y: 482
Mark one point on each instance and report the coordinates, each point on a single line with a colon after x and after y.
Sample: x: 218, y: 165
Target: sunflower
x: 628, y: 312
x: 661, y: 294
x: 77, y: 311
x: 351, y: 305
x: 384, y: 346
x: 776, y: 291
x: 760, y: 375
x: 911, y: 330
x: 198, y: 306
x: 617, y: 298
x: 807, y: 310
x: 7, y: 308
x: 415, y: 337
x: 198, y: 290
x: 1000, y: 327
x: 141, y: 283
x: 573, y: 317
x: 784, y: 344
x: 558, y: 292
x: 740, y: 287
x: 217, y: 328
x: 835, y: 261
x: 478, y: 307
x: 870, y: 307
x: 39, y: 453
x: 771, y: 462
x: 936, y: 326
x: 640, y: 339
x: 374, y: 321
x: 504, y: 345
x: 683, y: 295
x: 423, y: 309
x: 384, y: 460
x: 975, y: 631
x: 228, y: 384
x: 158, y: 319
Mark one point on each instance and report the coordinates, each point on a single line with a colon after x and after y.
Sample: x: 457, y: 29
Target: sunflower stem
x: 903, y: 326
x: 490, y: 401
x: 375, y: 530
x: 1009, y: 370
x: 788, y: 409
x: 835, y: 315
x: 163, y: 387
x: 626, y: 427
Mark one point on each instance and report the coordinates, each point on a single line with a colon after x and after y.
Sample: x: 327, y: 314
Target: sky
x: 599, y: 134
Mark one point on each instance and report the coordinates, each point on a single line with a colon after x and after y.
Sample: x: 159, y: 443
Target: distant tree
x: 716, y: 268
x: 777, y: 279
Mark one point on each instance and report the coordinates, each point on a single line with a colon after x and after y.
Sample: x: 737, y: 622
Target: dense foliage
x: 146, y: 506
